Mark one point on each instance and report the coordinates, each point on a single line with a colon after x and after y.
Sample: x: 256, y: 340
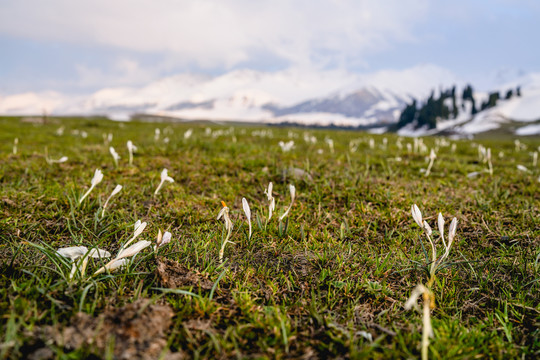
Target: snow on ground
x: 410, y: 131
x: 324, y: 119
x: 533, y: 129
x: 484, y: 121
x: 524, y: 108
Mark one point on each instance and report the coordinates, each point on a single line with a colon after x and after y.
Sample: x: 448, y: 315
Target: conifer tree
x: 454, y: 106
x: 408, y: 115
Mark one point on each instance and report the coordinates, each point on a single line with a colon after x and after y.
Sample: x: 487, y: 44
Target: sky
x: 85, y: 45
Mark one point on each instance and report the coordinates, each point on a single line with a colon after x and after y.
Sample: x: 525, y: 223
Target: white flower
x: 292, y: 191
x: 432, y: 157
x: 115, y: 264
x: 134, y: 249
x: 115, y: 155
x: 128, y: 252
x: 188, y: 134
x: 224, y: 212
x: 61, y: 160
x: 164, y: 177
x: 139, y: 228
x: 116, y: 190
x: 162, y: 239
x: 76, y: 252
x: 98, y: 253
x: 271, y: 200
x: 247, y: 211
x: 452, y: 232
x: 417, y: 215
x: 73, y: 252
x: 427, y: 228
x: 131, y: 149
x: 522, y: 168
x: 165, y: 239
x: 286, y: 146
x: 98, y: 176
x: 130, y: 146
x: 440, y: 223
x: 330, y: 143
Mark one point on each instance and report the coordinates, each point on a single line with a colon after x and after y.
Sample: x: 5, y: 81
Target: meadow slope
x: 328, y: 281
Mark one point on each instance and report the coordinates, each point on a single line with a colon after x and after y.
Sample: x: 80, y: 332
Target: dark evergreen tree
x: 454, y: 106
x: 509, y: 94
x: 442, y: 107
x: 493, y: 98
x: 468, y: 95
x: 473, y: 110
x: 427, y: 114
x: 518, y: 91
x: 484, y: 106
x: 408, y: 115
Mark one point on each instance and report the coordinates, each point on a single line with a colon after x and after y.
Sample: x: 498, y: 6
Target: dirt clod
x: 135, y: 331
x: 174, y: 275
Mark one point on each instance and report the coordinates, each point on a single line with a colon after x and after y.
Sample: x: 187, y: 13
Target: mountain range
x: 322, y: 98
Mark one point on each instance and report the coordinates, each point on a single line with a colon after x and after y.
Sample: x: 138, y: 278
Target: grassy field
x: 328, y: 281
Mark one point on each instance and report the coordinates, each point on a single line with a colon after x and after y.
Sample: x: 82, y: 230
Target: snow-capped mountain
x: 331, y: 97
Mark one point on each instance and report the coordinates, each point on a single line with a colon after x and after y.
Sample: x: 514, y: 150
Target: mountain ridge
x: 331, y: 97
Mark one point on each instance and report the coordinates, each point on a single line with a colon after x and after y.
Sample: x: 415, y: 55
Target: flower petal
x: 417, y: 215
x: 73, y: 252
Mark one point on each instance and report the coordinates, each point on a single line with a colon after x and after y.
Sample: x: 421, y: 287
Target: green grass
x: 344, y: 261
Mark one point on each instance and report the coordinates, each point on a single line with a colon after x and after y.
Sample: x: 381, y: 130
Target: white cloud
x: 220, y: 33
x: 123, y: 72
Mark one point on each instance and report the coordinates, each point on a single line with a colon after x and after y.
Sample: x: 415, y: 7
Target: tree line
x: 445, y: 106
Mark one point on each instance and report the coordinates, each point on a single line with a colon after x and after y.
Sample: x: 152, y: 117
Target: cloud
x: 221, y: 33
x: 123, y: 72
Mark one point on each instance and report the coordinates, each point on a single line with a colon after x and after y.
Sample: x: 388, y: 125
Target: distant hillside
x: 402, y: 100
